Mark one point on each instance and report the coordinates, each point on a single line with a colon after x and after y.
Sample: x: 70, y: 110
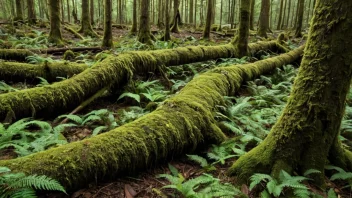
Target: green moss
x: 69, y: 55
x: 15, y: 54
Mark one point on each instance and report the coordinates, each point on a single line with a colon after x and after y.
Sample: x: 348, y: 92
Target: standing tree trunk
x: 74, y: 12
x: 308, y: 11
x: 195, y: 14
x: 201, y: 14
x: 144, y: 35
x: 19, y: 14
x: 280, y: 14
x: 92, y: 12
x: 134, y: 18
x: 219, y: 29
x: 55, y: 23
x: 62, y: 11
x: 288, y: 13
x: 177, y: 17
x: 251, y: 25
x: 190, y: 11
x: 107, y: 40
x: 300, y: 19
x: 306, y: 136
x: 206, y: 33
x: 32, y: 18
x: 167, y: 36
x: 241, y: 40
x: 284, y: 16
x: 68, y: 11
x: 264, y: 18
x: 86, y: 27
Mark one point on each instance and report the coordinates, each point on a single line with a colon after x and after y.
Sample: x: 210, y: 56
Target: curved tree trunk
x: 134, y: 18
x: 241, y: 41
x: 264, y: 19
x: 144, y: 34
x: 177, y: 17
x: 55, y: 23
x: 206, y: 33
x: 86, y: 27
x: 66, y: 95
x: 107, y: 39
x: 182, y: 124
x: 307, y: 133
x: 300, y: 19
x: 32, y: 18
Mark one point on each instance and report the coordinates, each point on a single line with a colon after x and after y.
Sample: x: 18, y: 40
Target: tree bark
x: 86, y: 27
x: 107, y: 39
x: 251, y: 25
x: 182, y: 124
x: 55, y: 23
x: 68, y: 94
x: 306, y: 136
x: 19, y: 13
x: 68, y: 11
x: 241, y: 41
x: 206, y: 33
x: 134, y: 18
x: 167, y: 36
x: 264, y: 19
x: 300, y: 19
x: 144, y: 35
x: 280, y: 15
x: 177, y: 17
x: 190, y: 11
x: 32, y: 18
x: 92, y: 12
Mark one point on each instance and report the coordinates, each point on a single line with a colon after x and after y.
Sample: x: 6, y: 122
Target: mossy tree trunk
x: 177, y: 17
x: 190, y: 11
x: 167, y: 36
x: 144, y: 34
x: 251, y: 25
x: 181, y: 124
x: 92, y: 12
x: 241, y: 40
x: 134, y: 18
x: 86, y: 27
x: 306, y: 136
x: 55, y: 23
x: 32, y: 18
x: 288, y: 13
x: 264, y: 19
x: 300, y: 19
x: 280, y: 15
x: 66, y: 95
x: 74, y: 12
x: 107, y: 39
x: 206, y: 33
x: 19, y: 13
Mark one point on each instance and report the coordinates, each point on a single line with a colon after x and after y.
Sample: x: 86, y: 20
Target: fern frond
x: 257, y: 178
x: 200, y: 160
x: 39, y: 182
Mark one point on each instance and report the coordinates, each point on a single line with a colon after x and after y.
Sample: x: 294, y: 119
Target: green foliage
x: 14, y: 185
x: 200, y: 187
x: 43, y: 82
x: 277, y: 187
x: 202, y: 162
x: 30, y: 136
x: 5, y: 88
x: 340, y: 175
x: 100, y: 120
x: 220, y: 154
x: 36, y: 59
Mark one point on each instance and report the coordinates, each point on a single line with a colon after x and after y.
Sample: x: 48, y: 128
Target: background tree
x: 167, y: 36
x: 107, y: 39
x: 300, y: 19
x: 32, y: 18
x: 264, y: 18
x: 241, y: 40
x: 177, y: 17
x: 134, y: 18
x: 144, y: 35
x: 280, y: 15
x: 206, y: 33
x: 251, y: 25
x: 19, y: 13
x: 55, y: 23
x: 92, y: 12
x: 306, y: 136
x: 86, y: 27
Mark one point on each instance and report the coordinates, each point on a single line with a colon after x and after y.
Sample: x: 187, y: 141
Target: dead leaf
x: 129, y: 192
x: 245, y: 189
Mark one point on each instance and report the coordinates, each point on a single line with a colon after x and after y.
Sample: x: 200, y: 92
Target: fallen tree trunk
x: 182, y: 124
x: 19, y: 72
x: 66, y: 95
x: 15, y: 54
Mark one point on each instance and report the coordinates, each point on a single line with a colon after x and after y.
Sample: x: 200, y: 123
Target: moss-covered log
x: 66, y: 95
x: 15, y: 54
x: 182, y: 124
x: 19, y: 72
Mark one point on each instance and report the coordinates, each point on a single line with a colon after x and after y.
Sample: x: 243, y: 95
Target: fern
x: 202, y: 162
x: 20, y: 185
x: 43, y: 82
x: 136, y: 97
x: 6, y: 88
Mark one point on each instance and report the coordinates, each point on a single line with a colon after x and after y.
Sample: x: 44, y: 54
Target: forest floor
x: 246, y: 118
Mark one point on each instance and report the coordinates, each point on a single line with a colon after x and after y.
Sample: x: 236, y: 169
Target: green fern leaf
x: 311, y: 171
x: 201, y: 160
x: 257, y: 178
x: 136, y: 97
